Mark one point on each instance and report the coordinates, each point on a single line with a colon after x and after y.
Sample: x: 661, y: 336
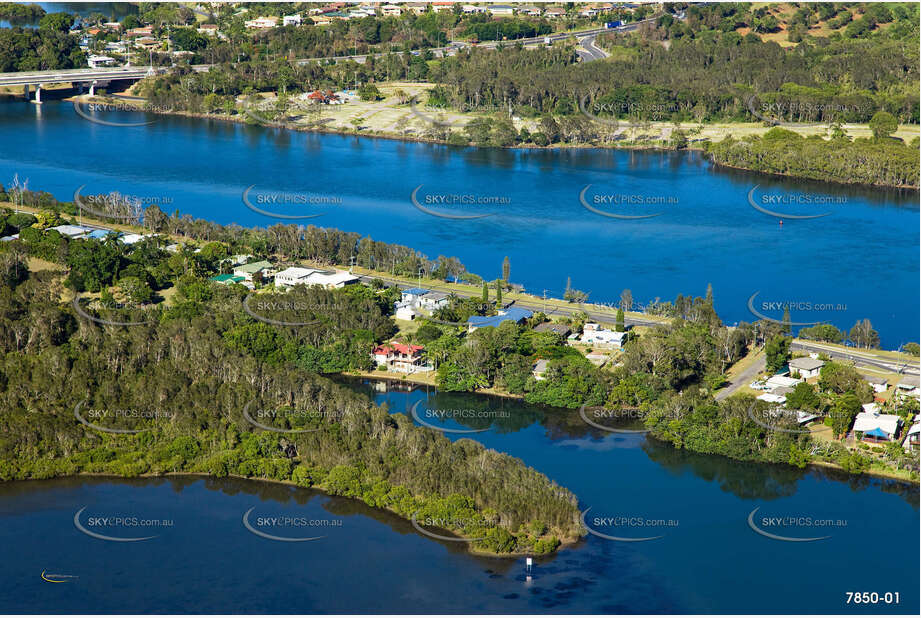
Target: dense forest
x: 183, y: 374
x: 181, y: 381
x: 50, y: 46
x: 881, y: 161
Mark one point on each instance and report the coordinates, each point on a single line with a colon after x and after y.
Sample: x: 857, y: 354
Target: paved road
x: 536, y: 305
x: 744, y: 378
x: 586, y: 37
x: 864, y: 358
x: 590, y: 51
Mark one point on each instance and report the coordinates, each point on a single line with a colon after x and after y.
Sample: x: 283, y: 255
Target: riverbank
x: 398, y: 117
x: 564, y: 542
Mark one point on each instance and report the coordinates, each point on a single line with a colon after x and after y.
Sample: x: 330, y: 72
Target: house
x: 908, y: 386
x: 870, y: 408
x: 555, y: 13
x: 208, y: 29
x: 782, y: 391
x: 412, y: 295
x: 538, y: 369
x: 391, y: 10
x: 433, y: 300
x: 772, y: 398
x: 529, y: 9
x: 405, y: 311
x: 248, y: 270
x: 501, y: 9
x: 114, y: 26
x: 588, y: 12
x: 417, y: 7
x: 99, y: 233
x: 291, y: 20
x: 512, y: 314
x: 400, y: 357
x: 593, y: 333
x: 94, y: 61
x: 442, y: 6
x: 880, y: 385
x: 71, y: 231
x: 130, y: 239
x: 147, y: 42
x: 329, y: 279
x: 292, y: 276
x: 227, y: 279
x: 261, y: 22
x: 332, y: 279
x: 560, y: 329
x: 779, y: 381
x: 469, y: 9
x: 806, y: 367
x: 877, y: 427
x: 141, y: 31
x: 913, y: 439
x: 318, y: 96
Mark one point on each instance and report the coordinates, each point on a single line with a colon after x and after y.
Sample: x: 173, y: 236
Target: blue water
x: 710, y: 562
x: 862, y: 260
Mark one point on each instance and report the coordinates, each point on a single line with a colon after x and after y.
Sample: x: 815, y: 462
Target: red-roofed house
x: 400, y: 357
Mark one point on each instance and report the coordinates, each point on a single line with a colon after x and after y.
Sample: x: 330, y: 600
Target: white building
x: 291, y: 20
x: 593, y: 333
x: 94, y: 61
x: 290, y: 277
x: 501, y: 9
x: 470, y: 8
x: 433, y: 300
x: 778, y: 381
x: 261, y: 22
x: 297, y: 275
x: 71, y: 231
x: 406, y: 311
x: 391, y: 10
x: 877, y: 427
x: 880, y: 385
x: 772, y: 398
x: 806, y: 367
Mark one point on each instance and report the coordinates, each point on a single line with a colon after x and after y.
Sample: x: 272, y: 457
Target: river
x: 706, y: 559
x: 858, y: 261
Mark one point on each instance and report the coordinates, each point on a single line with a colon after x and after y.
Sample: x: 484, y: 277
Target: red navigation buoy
x: 781, y: 222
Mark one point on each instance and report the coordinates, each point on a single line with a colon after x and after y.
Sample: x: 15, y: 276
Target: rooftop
x: 805, y: 363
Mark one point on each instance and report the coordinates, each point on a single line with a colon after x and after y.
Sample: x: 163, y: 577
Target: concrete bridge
x: 83, y: 77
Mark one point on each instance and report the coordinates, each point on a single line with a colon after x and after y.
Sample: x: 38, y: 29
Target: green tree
x: 843, y: 413
x: 883, y: 124
x: 620, y: 327
x: 777, y: 353
x: 804, y: 397
x: 506, y: 269
x: 485, y: 295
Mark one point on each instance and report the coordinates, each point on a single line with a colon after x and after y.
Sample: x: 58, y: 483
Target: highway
x: 864, y: 358
x: 533, y: 305
x: 586, y: 38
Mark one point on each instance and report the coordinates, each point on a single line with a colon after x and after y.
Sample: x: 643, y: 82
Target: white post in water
x: 529, y: 561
